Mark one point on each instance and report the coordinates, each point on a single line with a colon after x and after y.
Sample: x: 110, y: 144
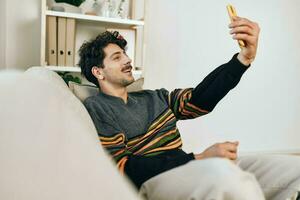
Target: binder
x: 61, y: 41
x: 70, y: 42
x: 51, y: 40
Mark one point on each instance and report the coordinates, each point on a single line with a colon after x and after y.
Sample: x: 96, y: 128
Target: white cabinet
x: 89, y: 26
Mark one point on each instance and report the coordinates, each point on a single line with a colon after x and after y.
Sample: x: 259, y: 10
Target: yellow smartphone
x: 232, y: 12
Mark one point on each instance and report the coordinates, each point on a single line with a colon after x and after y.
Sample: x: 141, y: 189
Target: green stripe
x: 119, y: 157
x: 162, y: 142
x: 163, y: 116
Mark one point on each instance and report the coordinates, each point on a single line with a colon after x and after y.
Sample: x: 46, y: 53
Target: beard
x: 118, y: 78
x: 125, y: 82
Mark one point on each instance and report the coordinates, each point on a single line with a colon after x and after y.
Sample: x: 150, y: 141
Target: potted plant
x: 76, y: 3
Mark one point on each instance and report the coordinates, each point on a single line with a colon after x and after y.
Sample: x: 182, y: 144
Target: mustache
x: 127, y: 67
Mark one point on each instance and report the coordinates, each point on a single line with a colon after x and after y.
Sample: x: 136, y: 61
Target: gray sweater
x: 142, y: 135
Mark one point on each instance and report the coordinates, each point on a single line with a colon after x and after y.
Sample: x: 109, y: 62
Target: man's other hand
x: 223, y: 150
x: 248, y: 31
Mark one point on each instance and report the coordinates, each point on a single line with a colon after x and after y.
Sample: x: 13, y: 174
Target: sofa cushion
x: 49, y: 147
x: 82, y: 91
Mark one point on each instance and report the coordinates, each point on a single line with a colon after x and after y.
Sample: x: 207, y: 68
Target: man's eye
x: 116, y: 58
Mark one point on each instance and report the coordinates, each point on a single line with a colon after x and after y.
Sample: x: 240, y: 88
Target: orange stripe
x: 169, y: 112
x: 119, y: 140
x: 197, y: 108
x: 182, y: 99
x: 176, y: 145
x: 111, y: 138
x: 121, y: 164
x: 175, y: 141
x: 188, y: 113
x: 150, y: 133
x: 156, y: 140
x: 118, y: 152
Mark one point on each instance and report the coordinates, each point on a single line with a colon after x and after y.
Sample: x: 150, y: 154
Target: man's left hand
x: 248, y: 31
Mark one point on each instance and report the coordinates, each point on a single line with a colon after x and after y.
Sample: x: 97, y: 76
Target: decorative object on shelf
x: 65, y: 5
x: 58, y: 8
x: 96, y: 7
x: 106, y: 8
x: 109, y: 8
x: 122, y: 11
x: 112, y: 8
x: 91, y: 7
x: 69, y: 77
x: 105, y: 12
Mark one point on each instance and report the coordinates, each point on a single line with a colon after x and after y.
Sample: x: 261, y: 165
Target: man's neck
x: 120, y: 92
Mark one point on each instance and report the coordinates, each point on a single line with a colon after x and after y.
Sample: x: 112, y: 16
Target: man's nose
x: 128, y: 59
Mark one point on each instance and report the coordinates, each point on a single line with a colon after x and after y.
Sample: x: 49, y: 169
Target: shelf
x: 136, y: 73
x: 64, y: 69
x: 117, y: 21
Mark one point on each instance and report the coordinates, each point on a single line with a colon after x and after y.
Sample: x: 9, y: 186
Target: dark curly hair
x: 92, y: 52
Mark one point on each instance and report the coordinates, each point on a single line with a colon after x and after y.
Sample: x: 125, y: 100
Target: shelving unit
x: 88, y: 26
x: 126, y: 23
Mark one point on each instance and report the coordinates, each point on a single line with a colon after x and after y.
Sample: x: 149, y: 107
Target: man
x: 139, y: 129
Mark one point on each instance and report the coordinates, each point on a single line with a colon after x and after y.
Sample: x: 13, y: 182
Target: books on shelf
x: 66, y: 31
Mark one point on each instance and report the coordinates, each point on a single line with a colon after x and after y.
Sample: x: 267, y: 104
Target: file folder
x: 70, y: 42
x: 61, y: 41
x: 51, y: 35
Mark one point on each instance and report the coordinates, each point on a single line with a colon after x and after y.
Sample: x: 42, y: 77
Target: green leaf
x: 72, y: 2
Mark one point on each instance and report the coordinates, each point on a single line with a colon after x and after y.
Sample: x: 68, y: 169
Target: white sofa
x: 49, y: 148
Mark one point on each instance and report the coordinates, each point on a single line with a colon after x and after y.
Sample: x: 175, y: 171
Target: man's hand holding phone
x: 246, y: 33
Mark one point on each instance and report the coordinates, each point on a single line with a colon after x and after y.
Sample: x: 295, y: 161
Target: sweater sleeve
x: 217, y: 84
x: 194, y: 102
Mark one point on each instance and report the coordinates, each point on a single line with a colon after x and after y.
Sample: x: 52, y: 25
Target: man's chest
x: 135, y: 119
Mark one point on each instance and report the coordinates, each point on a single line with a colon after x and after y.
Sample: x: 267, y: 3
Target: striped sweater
x: 142, y: 135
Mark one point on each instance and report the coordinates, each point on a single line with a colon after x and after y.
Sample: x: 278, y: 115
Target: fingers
x: 223, y: 150
x: 229, y: 149
x: 242, y: 29
x: 239, y: 21
x: 250, y: 40
x: 231, y: 155
x: 243, y: 25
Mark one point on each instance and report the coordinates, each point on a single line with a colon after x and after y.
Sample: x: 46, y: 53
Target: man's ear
x: 97, y: 72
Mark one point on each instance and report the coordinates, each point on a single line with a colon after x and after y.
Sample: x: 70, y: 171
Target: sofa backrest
x: 49, y: 148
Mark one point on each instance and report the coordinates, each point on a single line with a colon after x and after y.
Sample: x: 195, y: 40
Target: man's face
x: 117, y: 66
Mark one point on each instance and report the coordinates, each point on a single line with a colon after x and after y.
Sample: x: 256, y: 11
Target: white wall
x: 22, y: 33
x: 2, y: 33
x: 185, y: 40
